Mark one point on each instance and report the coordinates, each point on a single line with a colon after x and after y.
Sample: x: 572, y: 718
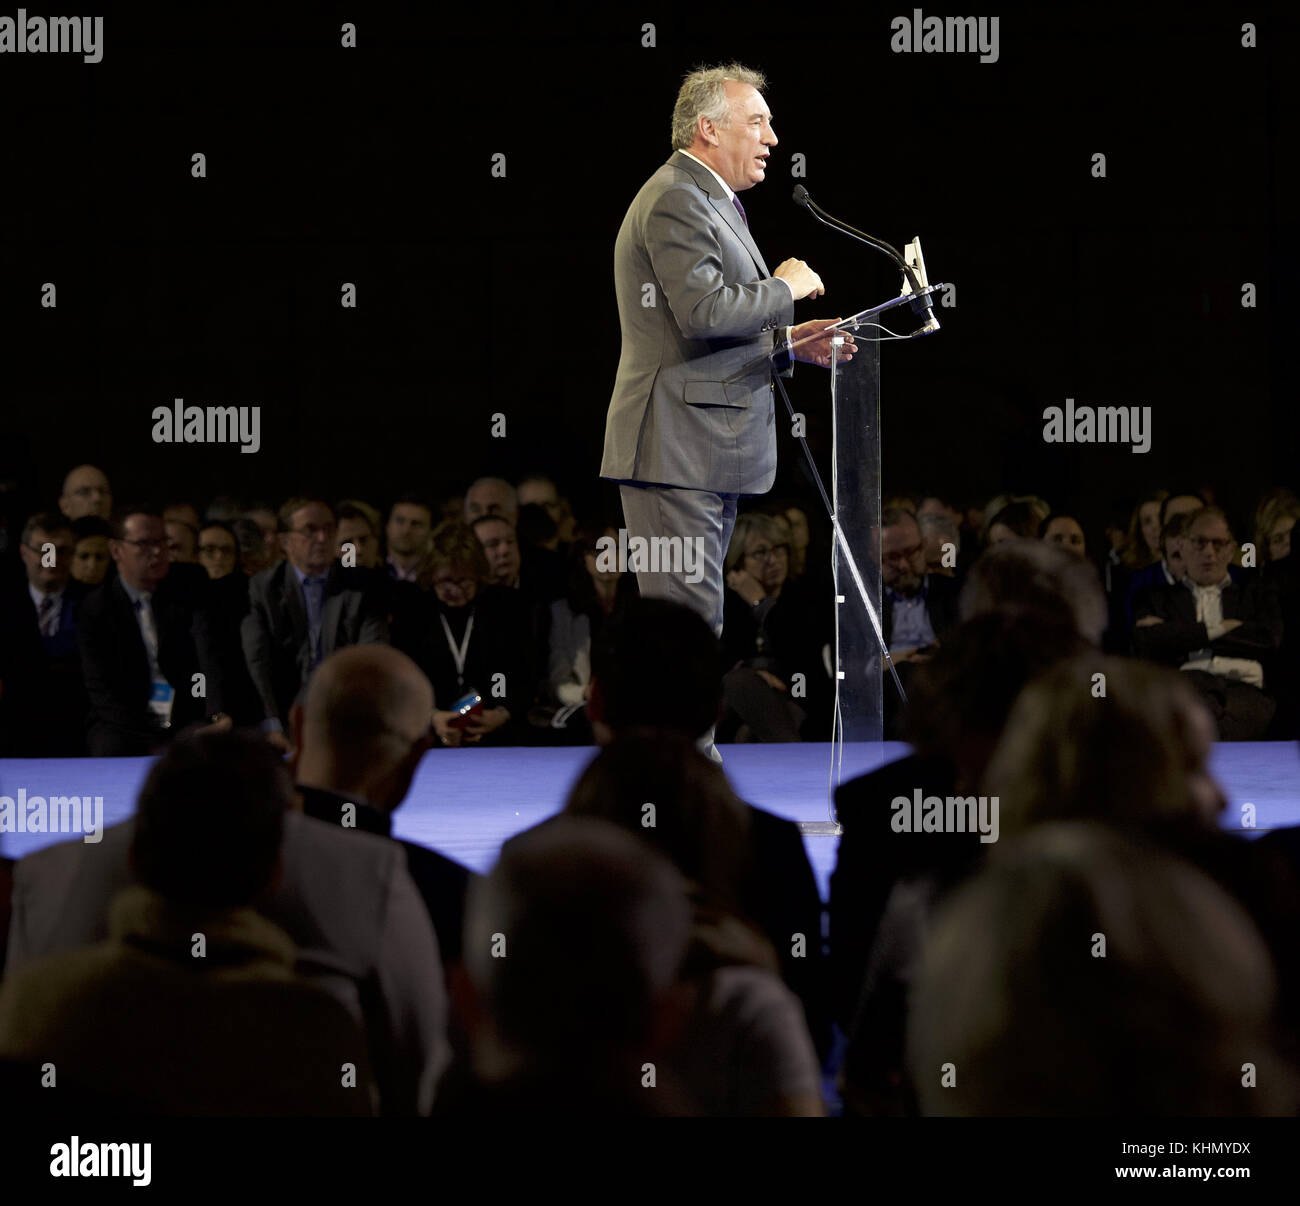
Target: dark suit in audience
x: 116, y: 666
x: 276, y: 639
x: 1241, y: 710
x: 43, y: 700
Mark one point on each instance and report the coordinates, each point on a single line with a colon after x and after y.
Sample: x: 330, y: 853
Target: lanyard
x: 458, y: 655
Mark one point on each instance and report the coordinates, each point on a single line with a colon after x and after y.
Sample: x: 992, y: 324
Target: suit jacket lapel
x: 723, y: 206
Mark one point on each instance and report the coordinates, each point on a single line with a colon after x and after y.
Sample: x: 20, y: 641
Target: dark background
x: 478, y: 295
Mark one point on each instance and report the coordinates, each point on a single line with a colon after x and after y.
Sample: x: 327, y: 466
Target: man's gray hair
x: 704, y: 94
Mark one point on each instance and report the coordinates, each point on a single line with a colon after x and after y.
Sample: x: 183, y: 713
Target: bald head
x: 492, y: 496
x: 364, y: 724
x: 86, y: 492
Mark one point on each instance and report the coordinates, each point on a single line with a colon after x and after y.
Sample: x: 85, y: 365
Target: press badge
x: 161, y: 697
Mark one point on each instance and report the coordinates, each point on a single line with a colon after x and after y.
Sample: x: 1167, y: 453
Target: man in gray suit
x: 692, y: 421
x: 302, y: 609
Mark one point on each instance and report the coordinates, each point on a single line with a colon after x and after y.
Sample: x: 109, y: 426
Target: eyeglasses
x: 763, y: 552
x: 1204, y: 543
x: 903, y: 554
x: 148, y: 545
x: 459, y: 583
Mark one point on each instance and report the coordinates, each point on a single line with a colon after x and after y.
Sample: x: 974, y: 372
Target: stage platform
x: 467, y: 802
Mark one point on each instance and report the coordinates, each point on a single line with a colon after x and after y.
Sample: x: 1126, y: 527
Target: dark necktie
x: 740, y: 209
x: 47, y: 622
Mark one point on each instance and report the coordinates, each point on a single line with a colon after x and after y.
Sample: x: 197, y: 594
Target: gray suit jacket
x: 347, y: 901
x: 275, y: 635
x: 693, y: 401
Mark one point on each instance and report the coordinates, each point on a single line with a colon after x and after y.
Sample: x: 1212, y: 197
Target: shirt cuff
x: 271, y: 725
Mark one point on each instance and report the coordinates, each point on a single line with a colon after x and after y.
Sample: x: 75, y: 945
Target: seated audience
x: 1066, y: 531
x: 492, y: 496
x: 942, y: 540
x: 745, y: 1050
x: 596, y: 588
x: 471, y: 636
x: 150, y: 661
x: 410, y: 523
x: 302, y: 609
x: 657, y: 665
x: 1018, y: 1010
x: 86, y: 492
x: 91, y: 562
x: 346, y: 900
x: 218, y: 549
x: 359, y: 527
x: 571, y: 987
x: 182, y: 541
x: 956, y: 715
x: 191, y: 1005
x: 356, y: 742
x: 43, y: 703
x: 255, y: 555
x: 1221, y: 634
x: 762, y: 698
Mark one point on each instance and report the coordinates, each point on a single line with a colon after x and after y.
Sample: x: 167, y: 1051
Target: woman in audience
x: 1142, y: 545
x: 1087, y: 973
x: 767, y: 624
x: 746, y: 1049
x: 468, y: 637
x: 596, y: 588
x: 1274, y: 519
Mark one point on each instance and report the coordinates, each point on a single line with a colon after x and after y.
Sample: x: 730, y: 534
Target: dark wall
x: 480, y: 295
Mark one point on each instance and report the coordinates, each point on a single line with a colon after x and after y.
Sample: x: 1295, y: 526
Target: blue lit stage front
x: 466, y: 803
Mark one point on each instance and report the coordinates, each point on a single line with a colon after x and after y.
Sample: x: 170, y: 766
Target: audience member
x: 410, y: 524
x: 470, y: 636
x: 218, y: 549
x: 357, y: 740
x: 1219, y: 633
x: 358, y: 527
x: 86, y: 492
x: 657, y: 665
x: 303, y: 609
x: 1050, y: 982
x: 491, y: 496
x: 347, y: 902
x: 150, y: 662
x: 745, y: 1050
x: 91, y: 562
x: 191, y: 1005
x: 43, y: 703
x: 593, y: 927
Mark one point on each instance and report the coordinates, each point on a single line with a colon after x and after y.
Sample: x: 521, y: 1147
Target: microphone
x: 920, y: 302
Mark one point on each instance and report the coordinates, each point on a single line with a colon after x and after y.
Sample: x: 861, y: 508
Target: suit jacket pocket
x: 717, y: 393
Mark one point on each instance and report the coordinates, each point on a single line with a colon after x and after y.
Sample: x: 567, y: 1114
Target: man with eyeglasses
x: 86, y: 492
x: 302, y: 609
x: 150, y: 661
x: 1222, y: 634
x: 42, y: 701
